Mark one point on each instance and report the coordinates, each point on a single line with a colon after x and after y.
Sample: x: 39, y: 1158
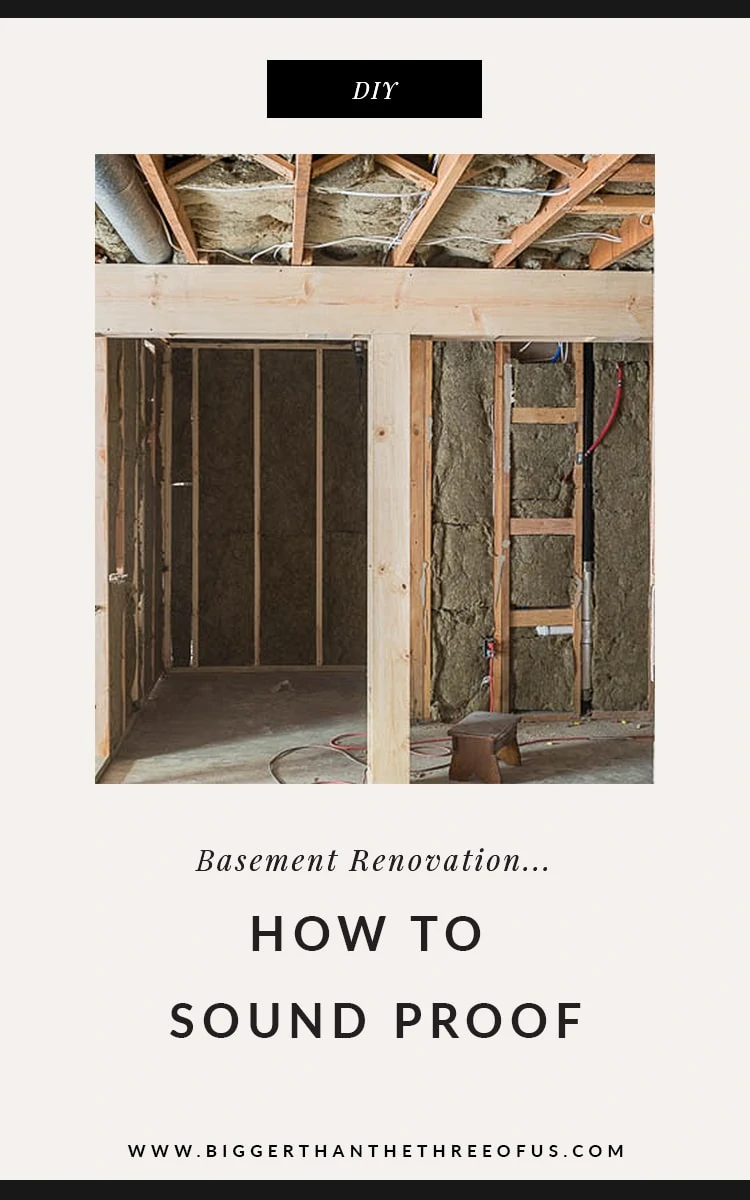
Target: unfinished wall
x: 134, y: 529
x: 287, y: 543
x: 541, y: 566
x: 287, y: 512
x: 344, y: 508
x: 182, y: 502
x: 621, y: 483
x: 225, y: 510
x: 462, y: 403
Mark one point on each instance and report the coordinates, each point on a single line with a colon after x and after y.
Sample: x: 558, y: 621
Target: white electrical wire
x: 583, y: 236
x: 378, y: 195
x: 467, y: 237
x: 512, y: 191
x: 237, y: 187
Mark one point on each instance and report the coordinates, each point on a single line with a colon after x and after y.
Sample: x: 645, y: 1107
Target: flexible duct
x: 122, y: 197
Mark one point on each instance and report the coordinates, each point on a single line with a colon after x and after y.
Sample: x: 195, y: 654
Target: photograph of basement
x: 373, y: 456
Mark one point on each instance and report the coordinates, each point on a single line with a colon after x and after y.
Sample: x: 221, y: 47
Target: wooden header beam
x: 409, y: 170
x: 190, y: 167
x: 329, y: 162
x: 170, y: 301
x: 596, y: 172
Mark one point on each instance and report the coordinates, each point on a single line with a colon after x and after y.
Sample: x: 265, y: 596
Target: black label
x: 374, y: 88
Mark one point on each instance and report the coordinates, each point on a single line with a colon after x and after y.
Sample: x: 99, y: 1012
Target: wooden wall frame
x: 386, y: 307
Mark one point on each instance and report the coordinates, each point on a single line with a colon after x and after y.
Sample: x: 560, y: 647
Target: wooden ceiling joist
x: 596, y: 172
x: 562, y: 163
x: 409, y: 170
x: 169, y: 204
x: 634, y: 172
x: 191, y: 166
x: 302, y: 174
x: 450, y: 169
x: 277, y: 164
x: 328, y: 162
x: 614, y: 203
x: 634, y: 233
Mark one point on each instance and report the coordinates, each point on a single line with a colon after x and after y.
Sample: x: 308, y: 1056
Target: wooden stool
x: 479, y: 741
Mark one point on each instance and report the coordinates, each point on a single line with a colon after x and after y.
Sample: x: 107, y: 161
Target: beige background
x: 642, y: 914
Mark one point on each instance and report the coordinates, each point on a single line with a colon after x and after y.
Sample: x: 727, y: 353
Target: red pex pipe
x: 612, y: 415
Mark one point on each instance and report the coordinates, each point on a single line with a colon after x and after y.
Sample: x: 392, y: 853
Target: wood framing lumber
x: 170, y: 204
x: 521, y: 526
x: 190, y: 167
x: 634, y: 233
x: 328, y: 162
x: 634, y: 172
x: 562, y: 163
x: 421, y: 526
x: 450, y: 170
x: 299, y: 217
x: 501, y: 493
x: 596, y: 172
x: 543, y: 416
x: 388, y: 541
x: 138, y: 300
x: 615, y: 204
x: 526, y: 618
x: 408, y: 170
x: 277, y: 164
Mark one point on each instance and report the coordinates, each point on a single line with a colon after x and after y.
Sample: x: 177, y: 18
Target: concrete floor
x: 225, y: 727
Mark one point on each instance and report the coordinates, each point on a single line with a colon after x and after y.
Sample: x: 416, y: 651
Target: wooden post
x: 166, y: 500
x: 318, y: 506
x: 388, y: 528
x: 101, y: 561
x: 421, y: 526
x: 194, y: 425
x: 577, y: 352
x: 256, y: 507
x: 500, y: 664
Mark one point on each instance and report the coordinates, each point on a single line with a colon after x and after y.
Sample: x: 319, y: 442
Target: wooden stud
x: 614, y: 203
x: 634, y: 233
x: 450, y: 169
x: 230, y: 344
x: 577, y: 357
x: 277, y: 164
x: 634, y: 172
x: 101, y: 562
x: 166, y: 450
x: 527, y: 618
x: 596, y: 172
x: 119, y: 547
x: 268, y: 670
x: 190, y: 167
x: 256, y: 507
x: 562, y: 163
x: 322, y: 303
x: 408, y: 170
x: 170, y: 204
x: 139, y: 563
x: 529, y: 526
x: 195, y: 474
x: 501, y: 492
x: 421, y: 527
x: 543, y: 416
x: 388, y: 528
x: 299, y: 218
x: 329, y: 162
x: 318, y: 507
